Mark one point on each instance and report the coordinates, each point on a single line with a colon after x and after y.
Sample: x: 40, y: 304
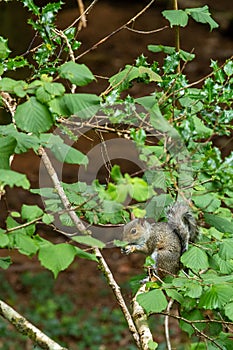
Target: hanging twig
x: 83, y: 19
x: 116, y: 31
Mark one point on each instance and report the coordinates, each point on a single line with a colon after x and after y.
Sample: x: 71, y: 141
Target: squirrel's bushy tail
x: 183, y: 223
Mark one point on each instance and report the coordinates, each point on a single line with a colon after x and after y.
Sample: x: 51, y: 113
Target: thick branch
x: 53, y: 175
x: 140, y: 319
x: 25, y: 327
x: 80, y: 226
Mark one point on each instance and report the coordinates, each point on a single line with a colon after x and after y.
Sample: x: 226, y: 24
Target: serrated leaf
x: 31, y: 212
x: 216, y: 296
x: 195, y: 258
x: 207, y: 201
x: 25, y: 244
x: 89, y: 240
x: 221, y: 224
x: 229, y: 311
x: 4, y: 240
x: 226, y: 249
x: 78, y: 74
x: 42, y: 95
x: 83, y: 105
x: 202, y: 15
x: 153, y: 301
x: 176, y: 17
x: 54, y: 89
x: 62, y: 151
x: 47, y: 218
x: 12, y: 178
x: 32, y: 116
x: 7, y: 148
x: 56, y: 257
x: 24, y: 141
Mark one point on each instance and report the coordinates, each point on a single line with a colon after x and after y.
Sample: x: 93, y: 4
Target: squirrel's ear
x: 132, y: 216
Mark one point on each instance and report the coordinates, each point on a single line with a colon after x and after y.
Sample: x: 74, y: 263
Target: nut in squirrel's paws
x: 128, y: 249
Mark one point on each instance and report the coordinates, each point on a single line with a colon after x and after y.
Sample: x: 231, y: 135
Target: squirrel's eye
x: 133, y: 231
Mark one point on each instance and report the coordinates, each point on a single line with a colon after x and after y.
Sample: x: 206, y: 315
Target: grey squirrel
x: 165, y: 242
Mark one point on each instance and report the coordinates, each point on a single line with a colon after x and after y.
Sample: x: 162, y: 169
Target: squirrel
x: 165, y: 242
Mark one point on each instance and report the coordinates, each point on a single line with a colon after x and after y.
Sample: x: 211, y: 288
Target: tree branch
x: 25, y: 327
x: 140, y: 319
x: 80, y: 226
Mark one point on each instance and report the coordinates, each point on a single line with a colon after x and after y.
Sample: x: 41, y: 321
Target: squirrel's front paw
x: 128, y: 249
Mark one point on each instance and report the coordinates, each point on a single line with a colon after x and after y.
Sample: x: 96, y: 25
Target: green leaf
x: 152, y: 345
x: 202, y: 15
x: 200, y: 128
x: 56, y: 257
x: 24, y: 141
x: 5, y: 262
x: 208, y: 202
x: 32, y: 116
x: 7, y: 148
x: 47, y: 218
x: 116, y: 174
x: 89, y: 240
x: 42, y: 95
x: 4, y: 50
x: 221, y: 224
x: 193, y: 315
x: 153, y: 301
x: 216, y: 296
x: 31, y: 212
x: 84, y: 255
x: 229, y: 310
x: 119, y: 243
x: 226, y: 249
x: 228, y: 68
x: 54, y: 89
x: 176, y: 17
x: 139, y: 189
x: 78, y: 74
x: 128, y: 74
x: 4, y: 240
x: 84, y: 106
x: 151, y: 74
x: 12, y: 178
x: 62, y: 151
x: 195, y: 258
x: 25, y: 244
x: 169, y: 50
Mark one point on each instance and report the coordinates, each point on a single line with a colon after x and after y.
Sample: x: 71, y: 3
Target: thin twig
x: 117, y: 292
x: 166, y: 324
x: 116, y: 31
x: 83, y: 19
x: 146, y: 31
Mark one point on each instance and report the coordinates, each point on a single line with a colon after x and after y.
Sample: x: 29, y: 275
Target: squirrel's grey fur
x: 164, y: 241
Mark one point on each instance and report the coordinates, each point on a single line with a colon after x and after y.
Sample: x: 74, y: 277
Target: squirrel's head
x: 135, y: 230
